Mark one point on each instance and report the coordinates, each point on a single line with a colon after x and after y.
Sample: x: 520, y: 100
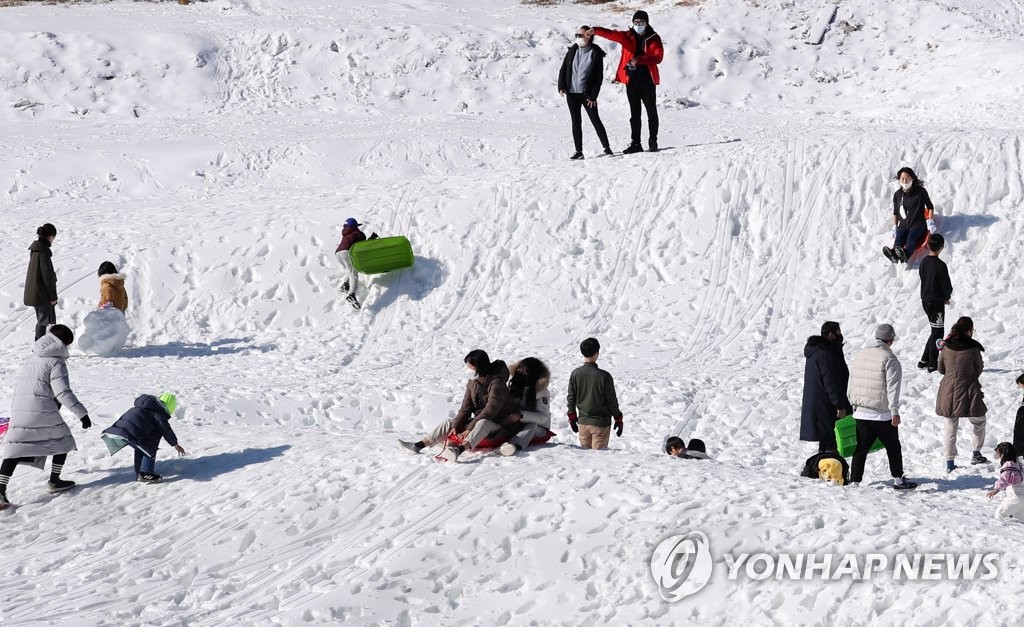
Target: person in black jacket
x: 826, y: 378
x: 579, y: 80
x: 911, y: 216
x: 936, y: 289
x: 1018, y: 424
x: 41, y: 280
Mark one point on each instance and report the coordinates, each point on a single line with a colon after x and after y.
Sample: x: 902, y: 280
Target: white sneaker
x: 508, y: 449
x: 449, y: 454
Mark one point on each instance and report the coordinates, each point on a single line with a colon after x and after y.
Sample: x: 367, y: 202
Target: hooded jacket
x: 812, y: 470
x: 40, y: 280
x: 36, y: 428
x: 594, y: 78
x: 112, y: 291
x: 486, y: 398
x: 650, y: 43
x: 541, y: 414
x: 349, y: 235
x: 826, y: 378
x: 143, y: 425
x: 960, y: 394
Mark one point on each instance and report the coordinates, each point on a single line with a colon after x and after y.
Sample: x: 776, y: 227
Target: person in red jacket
x: 642, y: 51
x: 350, y: 234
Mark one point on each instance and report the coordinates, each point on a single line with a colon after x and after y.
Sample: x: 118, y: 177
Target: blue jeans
x: 144, y: 463
x: 910, y: 239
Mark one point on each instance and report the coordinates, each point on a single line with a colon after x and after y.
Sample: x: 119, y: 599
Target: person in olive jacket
x: 41, y: 280
x: 592, y: 393
x: 960, y: 394
x: 826, y: 378
x: 579, y: 80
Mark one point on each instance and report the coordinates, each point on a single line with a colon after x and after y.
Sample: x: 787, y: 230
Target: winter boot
x: 351, y: 298
x: 59, y: 485
x: 890, y: 254
x: 344, y: 286
x: 4, y: 503
x: 508, y: 449
x: 633, y: 148
x: 652, y: 146
x: 412, y: 447
x: 901, y: 254
x: 902, y: 483
x: 950, y: 465
x: 978, y: 458
x: 576, y: 156
x: 146, y: 477
x: 921, y: 365
x: 608, y: 151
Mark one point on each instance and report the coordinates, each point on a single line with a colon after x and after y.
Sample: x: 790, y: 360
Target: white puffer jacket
x: 875, y: 379
x: 37, y: 428
x: 542, y: 414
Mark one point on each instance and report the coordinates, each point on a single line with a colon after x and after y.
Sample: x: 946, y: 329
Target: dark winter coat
x: 1018, y: 429
x: 592, y: 392
x: 143, y: 425
x: 647, y: 49
x: 826, y: 379
x: 41, y: 280
x: 349, y: 235
x: 486, y: 398
x: 960, y: 392
x: 912, y: 207
x: 935, y: 284
x: 811, y: 466
x: 595, y: 76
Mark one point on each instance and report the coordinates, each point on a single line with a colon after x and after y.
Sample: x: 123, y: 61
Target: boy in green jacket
x: 592, y: 393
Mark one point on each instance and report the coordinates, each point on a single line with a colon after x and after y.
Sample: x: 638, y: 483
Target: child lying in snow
x: 141, y: 428
x: 1010, y: 479
x: 675, y: 447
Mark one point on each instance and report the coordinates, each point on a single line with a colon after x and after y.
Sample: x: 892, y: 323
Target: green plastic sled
x: 375, y: 256
x: 846, y: 437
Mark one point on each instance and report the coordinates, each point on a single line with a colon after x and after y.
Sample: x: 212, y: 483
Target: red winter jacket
x: 654, y: 52
x: 349, y: 235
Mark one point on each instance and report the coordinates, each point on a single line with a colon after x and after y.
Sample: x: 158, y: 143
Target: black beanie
x: 63, y: 334
x: 641, y: 15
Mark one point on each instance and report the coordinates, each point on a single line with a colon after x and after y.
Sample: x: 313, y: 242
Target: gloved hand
x: 572, y: 422
x: 86, y: 423
x: 618, y: 426
x: 892, y: 232
x: 930, y: 224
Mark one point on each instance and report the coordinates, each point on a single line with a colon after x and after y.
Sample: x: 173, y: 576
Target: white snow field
x: 212, y: 152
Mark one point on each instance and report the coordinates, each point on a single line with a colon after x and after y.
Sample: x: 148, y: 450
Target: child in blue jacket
x: 141, y: 428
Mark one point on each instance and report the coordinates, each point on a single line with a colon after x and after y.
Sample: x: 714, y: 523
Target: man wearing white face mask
x: 642, y: 51
x: 579, y: 80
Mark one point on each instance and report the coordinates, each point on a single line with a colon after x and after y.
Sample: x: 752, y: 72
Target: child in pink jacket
x: 1011, y: 479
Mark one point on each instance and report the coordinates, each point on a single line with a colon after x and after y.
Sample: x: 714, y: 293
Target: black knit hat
x: 63, y: 334
x: 641, y: 15
x: 107, y: 267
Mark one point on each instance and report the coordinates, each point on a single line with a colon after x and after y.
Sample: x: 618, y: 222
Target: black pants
x: 45, y: 316
x: 867, y: 432
x: 8, y: 465
x: 577, y: 102
x: 936, y: 311
x: 828, y: 436
x: 641, y: 89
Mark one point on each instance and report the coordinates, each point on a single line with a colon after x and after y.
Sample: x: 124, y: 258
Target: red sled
x: 455, y: 440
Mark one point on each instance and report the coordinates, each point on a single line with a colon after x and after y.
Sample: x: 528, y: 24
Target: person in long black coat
x: 41, y: 280
x: 826, y: 377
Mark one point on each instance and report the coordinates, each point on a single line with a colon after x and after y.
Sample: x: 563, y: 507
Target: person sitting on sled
x: 912, y: 212
x: 486, y: 406
x: 529, y: 388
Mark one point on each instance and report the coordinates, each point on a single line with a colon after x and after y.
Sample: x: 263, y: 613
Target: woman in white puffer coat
x: 36, y: 429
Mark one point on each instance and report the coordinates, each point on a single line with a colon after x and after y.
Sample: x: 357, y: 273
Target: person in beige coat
x: 960, y: 394
x: 112, y: 292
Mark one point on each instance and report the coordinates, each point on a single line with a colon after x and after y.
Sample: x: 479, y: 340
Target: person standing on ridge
x: 579, y: 80
x: 642, y: 51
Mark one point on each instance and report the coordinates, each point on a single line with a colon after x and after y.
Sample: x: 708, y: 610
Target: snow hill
x: 212, y: 152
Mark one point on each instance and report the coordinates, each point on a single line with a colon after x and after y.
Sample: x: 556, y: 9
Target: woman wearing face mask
x: 579, y: 80
x: 912, y: 211
x: 642, y: 51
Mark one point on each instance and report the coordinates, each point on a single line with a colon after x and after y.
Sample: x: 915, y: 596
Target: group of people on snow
x: 582, y: 73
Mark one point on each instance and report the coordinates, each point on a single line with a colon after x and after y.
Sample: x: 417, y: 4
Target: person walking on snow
x: 579, y: 81
x: 936, y: 290
x: 529, y: 389
x: 960, y: 394
x: 875, y: 384
x: 592, y: 393
x: 825, y: 379
x: 141, y: 428
x: 912, y: 212
x: 642, y: 51
x: 41, y: 280
x: 1011, y: 479
x: 486, y: 406
x: 36, y: 429
x: 112, y: 292
x: 350, y: 234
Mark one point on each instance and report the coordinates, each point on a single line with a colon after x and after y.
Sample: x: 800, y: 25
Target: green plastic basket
x: 384, y: 254
x: 846, y: 437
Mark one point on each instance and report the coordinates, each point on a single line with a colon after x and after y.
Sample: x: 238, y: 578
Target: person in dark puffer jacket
x: 141, y: 428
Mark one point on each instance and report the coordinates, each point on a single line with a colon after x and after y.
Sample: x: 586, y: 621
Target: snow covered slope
x: 212, y: 152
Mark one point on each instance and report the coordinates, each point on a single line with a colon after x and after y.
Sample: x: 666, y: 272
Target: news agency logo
x: 681, y: 565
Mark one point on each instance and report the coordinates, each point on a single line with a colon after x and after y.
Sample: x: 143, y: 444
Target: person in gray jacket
x: 36, y: 429
x: 875, y: 382
x: 41, y: 280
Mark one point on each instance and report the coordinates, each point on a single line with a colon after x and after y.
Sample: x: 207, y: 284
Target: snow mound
x: 104, y: 332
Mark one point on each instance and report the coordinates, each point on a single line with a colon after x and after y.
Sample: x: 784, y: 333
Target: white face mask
x: 581, y: 42
x: 640, y: 28
x: 471, y: 373
x: 906, y: 186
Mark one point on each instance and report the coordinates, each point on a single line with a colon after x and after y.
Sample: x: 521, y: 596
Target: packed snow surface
x: 211, y: 153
